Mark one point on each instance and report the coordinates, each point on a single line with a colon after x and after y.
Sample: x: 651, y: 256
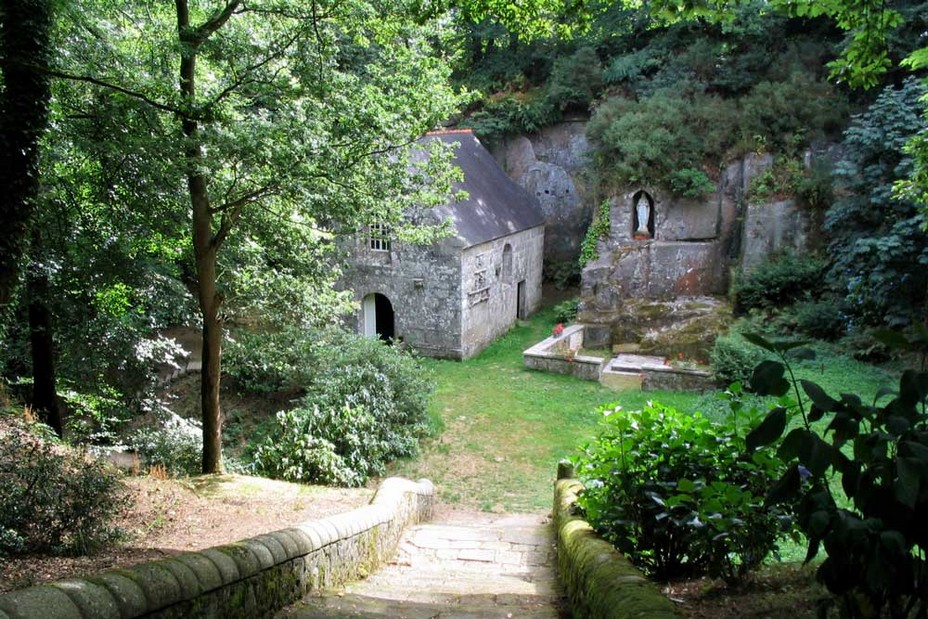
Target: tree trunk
x: 205, y: 243
x: 44, y: 391
x: 23, y: 117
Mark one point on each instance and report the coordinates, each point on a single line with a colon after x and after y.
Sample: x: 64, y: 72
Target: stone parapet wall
x: 599, y: 580
x: 251, y: 578
x: 559, y: 355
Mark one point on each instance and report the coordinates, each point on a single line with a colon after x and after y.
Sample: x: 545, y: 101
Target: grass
x: 504, y: 427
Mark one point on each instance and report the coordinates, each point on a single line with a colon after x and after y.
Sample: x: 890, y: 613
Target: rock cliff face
x: 553, y: 166
x: 661, y: 250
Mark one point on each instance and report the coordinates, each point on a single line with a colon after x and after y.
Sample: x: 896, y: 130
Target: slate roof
x: 496, y: 206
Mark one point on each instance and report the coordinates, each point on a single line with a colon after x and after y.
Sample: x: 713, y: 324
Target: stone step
x: 459, y: 607
x: 622, y: 381
x: 502, y: 566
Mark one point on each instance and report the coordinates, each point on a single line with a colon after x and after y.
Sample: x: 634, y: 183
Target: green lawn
x: 505, y: 427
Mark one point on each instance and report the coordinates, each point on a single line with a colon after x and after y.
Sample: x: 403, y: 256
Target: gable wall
x: 424, y: 286
x: 489, y: 301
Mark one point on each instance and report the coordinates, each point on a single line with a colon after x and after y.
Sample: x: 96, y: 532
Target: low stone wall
x: 251, y: 578
x: 558, y: 355
x: 599, y: 580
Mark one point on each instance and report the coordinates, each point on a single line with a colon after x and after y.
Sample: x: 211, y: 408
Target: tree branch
x: 116, y: 88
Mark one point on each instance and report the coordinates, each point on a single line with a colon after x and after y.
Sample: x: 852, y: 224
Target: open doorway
x: 379, y: 320
x: 521, y: 313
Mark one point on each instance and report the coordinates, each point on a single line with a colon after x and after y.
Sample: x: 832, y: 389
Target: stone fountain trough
x: 560, y: 354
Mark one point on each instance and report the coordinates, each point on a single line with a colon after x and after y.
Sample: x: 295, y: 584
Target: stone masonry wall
x: 599, y: 580
x: 424, y: 286
x: 251, y: 578
x: 490, y: 282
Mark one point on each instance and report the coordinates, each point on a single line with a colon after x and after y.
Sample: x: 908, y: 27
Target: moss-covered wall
x: 251, y: 578
x: 599, y: 580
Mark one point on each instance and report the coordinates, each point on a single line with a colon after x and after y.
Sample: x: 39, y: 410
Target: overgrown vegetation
x: 873, y: 536
x: 363, y: 404
x: 779, y: 281
x: 675, y: 493
x: 54, y: 500
x: 878, y: 246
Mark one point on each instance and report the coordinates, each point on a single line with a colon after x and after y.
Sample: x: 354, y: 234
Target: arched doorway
x: 378, y: 317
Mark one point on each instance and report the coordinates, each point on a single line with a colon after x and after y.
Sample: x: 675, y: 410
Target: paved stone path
x: 500, y: 566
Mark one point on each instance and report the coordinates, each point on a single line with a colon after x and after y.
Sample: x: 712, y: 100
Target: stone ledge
x: 250, y: 578
x: 600, y: 582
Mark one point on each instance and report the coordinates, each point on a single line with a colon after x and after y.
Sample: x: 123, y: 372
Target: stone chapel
x: 453, y: 298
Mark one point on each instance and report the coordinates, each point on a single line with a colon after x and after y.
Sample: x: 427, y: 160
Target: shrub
x: 665, y: 139
x: 176, y: 444
x: 53, y: 500
x: 675, y: 494
x: 271, y: 361
x: 365, y: 404
x: 562, y: 273
x: 874, y: 536
x: 819, y: 319
x: 779, y: 281
x: 690, y: 183
x: 733, y: 358
x: 566, y: 311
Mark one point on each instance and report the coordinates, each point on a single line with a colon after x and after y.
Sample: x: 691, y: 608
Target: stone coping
x: 600, y: 582
x: 250, y: 578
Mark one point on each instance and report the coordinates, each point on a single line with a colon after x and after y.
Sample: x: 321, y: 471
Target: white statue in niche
x: 643, y: 210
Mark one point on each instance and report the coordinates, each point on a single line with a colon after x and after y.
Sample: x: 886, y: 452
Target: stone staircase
x: 500, y: 566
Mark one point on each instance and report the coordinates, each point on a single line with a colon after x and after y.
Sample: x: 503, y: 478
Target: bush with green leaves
x: 174, y: 443
x: 566, y: 311
x: 365, y: 404
x: 822, y: 319
x: 598, y: 230
x: 665, y: 140
x: 677, y: 495
x: 878, y: 243
x: 54, y: 500
x: 779, y: 281
x: 874, y: 535
x: 732, y: 358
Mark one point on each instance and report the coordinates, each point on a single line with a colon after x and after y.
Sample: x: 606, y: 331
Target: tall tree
x: 24, y: 95
x: 306, y: 113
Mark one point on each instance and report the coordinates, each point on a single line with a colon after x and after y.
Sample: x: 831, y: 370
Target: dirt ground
x: 173, y: 516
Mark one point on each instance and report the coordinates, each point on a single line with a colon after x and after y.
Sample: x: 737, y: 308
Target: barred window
x: 379, y: 239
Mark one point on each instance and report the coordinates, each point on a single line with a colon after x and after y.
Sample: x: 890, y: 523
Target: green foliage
x: 562, y: 273
x: 53, y: 500
x: 789, y: 114
x: 874, y: 535
x: 662, y: 137
x: 598, y: 230
x: 676, y: 494
x: 175, y: 444
x: 365, y: 404
x: 690, y: 183
x: 781, y: 180
x: 779, y: 281
x: 879, y: 246
x: 566, y: 311
x: 732, y: 358
x: 575, y: 80
x: 821, y: 319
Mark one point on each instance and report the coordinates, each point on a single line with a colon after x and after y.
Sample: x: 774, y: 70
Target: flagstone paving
x: 461, y: 566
